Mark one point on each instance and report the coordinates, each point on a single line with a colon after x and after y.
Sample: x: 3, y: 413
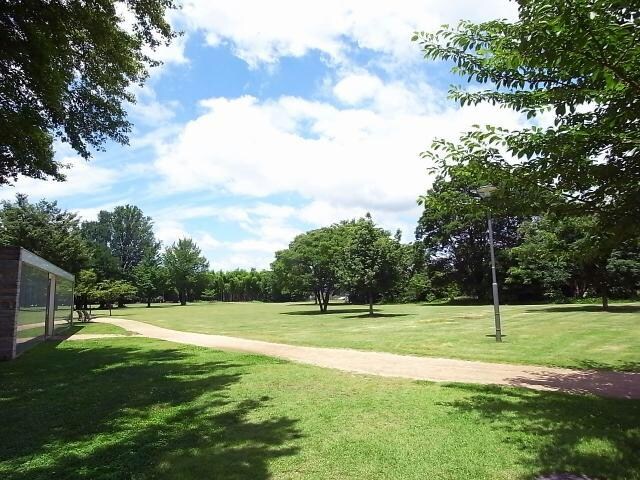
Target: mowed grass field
x: 577, y: 336
x: 137, y: 408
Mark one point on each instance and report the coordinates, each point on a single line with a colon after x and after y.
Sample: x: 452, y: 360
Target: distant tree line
x: 118, y: 260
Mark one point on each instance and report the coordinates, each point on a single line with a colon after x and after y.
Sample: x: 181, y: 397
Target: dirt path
x: 602, y: 383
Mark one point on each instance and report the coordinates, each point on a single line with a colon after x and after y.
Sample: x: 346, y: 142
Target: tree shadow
x: 602, y: 383
x: 577, y: 434
x: 132, y: 412
x: 590, y: 308
x: 330, y: 311
x: 357, y: 312
x: 379, y: 315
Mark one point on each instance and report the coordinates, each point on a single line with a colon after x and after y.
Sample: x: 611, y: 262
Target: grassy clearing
x: 579, y: 336
x: 98, y: 328
x: 138, y: 408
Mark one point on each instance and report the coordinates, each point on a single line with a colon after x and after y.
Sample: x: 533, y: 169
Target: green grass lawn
x: 98, y: 328
x: 138, y: 408
x: 579, y: 336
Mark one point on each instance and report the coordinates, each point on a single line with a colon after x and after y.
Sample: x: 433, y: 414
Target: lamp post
x: 485, y: 192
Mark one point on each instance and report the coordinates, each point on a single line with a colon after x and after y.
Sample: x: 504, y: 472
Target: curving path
x: 602, y: 383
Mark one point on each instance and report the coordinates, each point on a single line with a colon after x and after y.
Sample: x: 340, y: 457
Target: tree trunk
x: 183, y: 298
x: 370, y: 303
x: 604, y: 287
x: 605, y: 302
x: 327, y: 295
x: 320, y: 300
x: 148, y: 302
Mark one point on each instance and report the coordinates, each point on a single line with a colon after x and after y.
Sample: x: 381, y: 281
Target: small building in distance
x: 36, y: 300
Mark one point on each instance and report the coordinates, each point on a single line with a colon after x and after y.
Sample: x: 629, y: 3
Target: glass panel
x: 63, y: 316
x: 32, y: 310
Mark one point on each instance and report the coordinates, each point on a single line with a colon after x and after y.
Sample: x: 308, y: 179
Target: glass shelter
x: 36, y: 300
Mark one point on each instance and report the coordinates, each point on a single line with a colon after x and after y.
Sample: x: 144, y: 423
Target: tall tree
x: 372, y: 259
x: 150, y: 278
x: 46, y: 230
x: 86, y: 281
x: 185, y: 264
x: 312, y: 262
x: 65, y: 72
x: 561, y: 254
x: 453, y: 229
x: 579, y: 59
x: 126, y: 233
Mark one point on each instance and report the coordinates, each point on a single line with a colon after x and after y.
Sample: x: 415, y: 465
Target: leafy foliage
x: 312, y: 263
x: 372, y: 260
x: 150, y: 278
x: 186, y: 266
x: 44, y: 229
x: 65, y: 72
x: 109, y: 292
x: 124, y: 236
x: 578, y: 61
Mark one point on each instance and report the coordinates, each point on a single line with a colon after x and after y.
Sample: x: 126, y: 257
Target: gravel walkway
x: 602, y: 383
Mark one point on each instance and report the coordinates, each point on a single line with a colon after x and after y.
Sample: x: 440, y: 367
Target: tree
x: 108, y: 292
x: 86, y: 281
x: 184, y: 263
x: 46, y: 230
x: 66, y: 69
x: 578, y: 59
x: 372, y: 259
x: 312, y: 262
x: 126, y: 234
x: 453, y: 229
x: 150, y: 278
x: 562, y: 255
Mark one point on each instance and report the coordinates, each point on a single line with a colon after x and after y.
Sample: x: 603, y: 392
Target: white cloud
x: 91, y: 213
x: 82, y: 178
x: 262, y: 32
x: 353, y: 89
x: 352, y: 157
x: 169, y: 231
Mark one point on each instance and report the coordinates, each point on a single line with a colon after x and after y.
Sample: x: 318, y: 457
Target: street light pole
x: 494, y: 285
x: 485, y: 192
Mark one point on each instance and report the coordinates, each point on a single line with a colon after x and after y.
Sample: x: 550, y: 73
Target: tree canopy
x: 65, y: 72
x: 46, y: 230
x: 579, y: 60
x: 312, y: 263
x: 185, y: 265
x: 372, y: 260
x: 124, y: 235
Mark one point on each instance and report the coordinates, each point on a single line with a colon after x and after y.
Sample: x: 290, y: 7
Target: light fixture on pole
x: 485, y: 192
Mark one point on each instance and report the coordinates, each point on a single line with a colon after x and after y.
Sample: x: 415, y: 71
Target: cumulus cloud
x: 262, y: 32
x: 352, y: 157
x: 82, y: 178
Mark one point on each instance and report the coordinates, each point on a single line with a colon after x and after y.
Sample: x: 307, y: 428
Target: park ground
x: 138, y: 408
x: 575, y: 336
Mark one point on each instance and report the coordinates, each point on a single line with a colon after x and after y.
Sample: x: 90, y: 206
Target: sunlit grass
x: 138, y: 408
x: 563, y: 335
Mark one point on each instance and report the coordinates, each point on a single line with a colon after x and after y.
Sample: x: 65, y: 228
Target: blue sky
x: 271, y: 118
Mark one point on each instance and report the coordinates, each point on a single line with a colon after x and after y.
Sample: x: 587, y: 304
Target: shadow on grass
x: 330, y: 311
x: 589, y: 308
x: 581, y: 382
x: 357, y: 312
x: 132, y: 412
x: 579, y: 434
x: 379, y: 315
